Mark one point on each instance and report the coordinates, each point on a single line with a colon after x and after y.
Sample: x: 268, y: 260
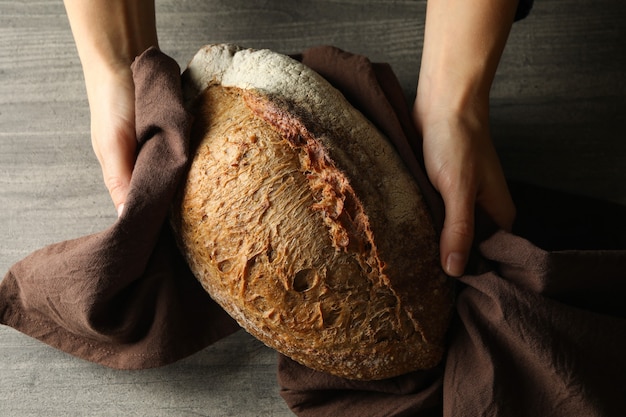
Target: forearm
x: 463, y: 44
x: 111, y: 33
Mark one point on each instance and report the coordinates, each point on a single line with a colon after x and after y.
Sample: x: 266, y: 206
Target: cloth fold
x: 537, y: 331
x: 124, y: 297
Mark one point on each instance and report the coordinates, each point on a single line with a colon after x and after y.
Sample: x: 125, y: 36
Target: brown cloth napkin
x: 537, y: 332
x: 124, y: 297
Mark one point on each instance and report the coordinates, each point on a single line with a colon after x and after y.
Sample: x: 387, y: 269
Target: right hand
x: 463, y: 43
x: 462, y: 164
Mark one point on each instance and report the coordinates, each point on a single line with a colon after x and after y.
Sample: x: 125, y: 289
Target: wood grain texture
x: 559, y: 117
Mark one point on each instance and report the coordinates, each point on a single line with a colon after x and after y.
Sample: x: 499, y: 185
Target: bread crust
x: 299, y: 218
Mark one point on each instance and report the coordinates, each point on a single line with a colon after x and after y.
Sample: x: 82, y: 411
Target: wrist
x: 463, y: 43
x: 445, y: 99
x: 101, y: 73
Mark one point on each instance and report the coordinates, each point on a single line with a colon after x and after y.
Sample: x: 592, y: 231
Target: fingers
x: 497, y: 202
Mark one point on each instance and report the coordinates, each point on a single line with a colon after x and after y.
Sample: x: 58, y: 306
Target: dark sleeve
x: 523, y: 8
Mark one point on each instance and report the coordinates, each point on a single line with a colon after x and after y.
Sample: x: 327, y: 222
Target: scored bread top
x: 366, y: 299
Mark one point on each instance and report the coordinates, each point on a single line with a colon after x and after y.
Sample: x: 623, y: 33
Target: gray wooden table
x: 559, y: 119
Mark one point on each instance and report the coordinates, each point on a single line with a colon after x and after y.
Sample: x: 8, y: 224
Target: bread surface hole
x: 330, y: 314
x: 304, y: 279
x: 225, y: 265
x: 260, y: 303
x: 270, y: 253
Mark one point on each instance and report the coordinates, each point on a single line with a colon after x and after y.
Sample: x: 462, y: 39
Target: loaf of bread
x: 300, y: 220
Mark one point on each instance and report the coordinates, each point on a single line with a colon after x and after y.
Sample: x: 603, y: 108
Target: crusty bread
x: 300, y: 220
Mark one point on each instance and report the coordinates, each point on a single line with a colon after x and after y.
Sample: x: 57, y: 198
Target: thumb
x: 457, y: 233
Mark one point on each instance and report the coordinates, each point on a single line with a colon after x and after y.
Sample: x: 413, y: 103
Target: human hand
x: 109, y: 34
x: 463, y: 166
x: 463, y: 43
x: 111, y: 96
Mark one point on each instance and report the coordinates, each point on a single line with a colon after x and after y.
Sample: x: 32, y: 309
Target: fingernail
x: 455, y: 264
x: 120, y: 210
